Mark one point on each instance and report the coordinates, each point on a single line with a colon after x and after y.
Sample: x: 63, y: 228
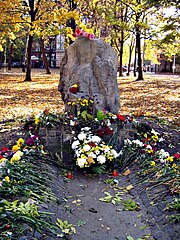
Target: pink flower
x: 91, y: 36
x: 85, y: 34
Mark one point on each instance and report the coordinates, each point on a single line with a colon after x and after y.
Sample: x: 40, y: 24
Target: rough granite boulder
x: 92, y: 64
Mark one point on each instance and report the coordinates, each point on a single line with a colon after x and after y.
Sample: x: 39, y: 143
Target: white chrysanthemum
x: 113, y: 152
x: 161, y: 139
x: 92, y: 155
x: 81, y: 162
x: 72, y: 123
x: 138, y: 143
x: 86, y: 148
x: 114, y: 117
x: 101, y: 159
x: 149, y: 147
x: 78, y: 153
x: 127, y: 142
x: 154, y: 132
x: 97, y: 152
x: 81, y: 136
x: 163, y: 153
x: 86, y: 129
x: 75, y: 144
x: 108, y: 123
x: 96, y: 139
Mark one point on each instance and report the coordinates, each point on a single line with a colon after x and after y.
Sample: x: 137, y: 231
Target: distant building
x: 167, y: 65
x: 54, y: 51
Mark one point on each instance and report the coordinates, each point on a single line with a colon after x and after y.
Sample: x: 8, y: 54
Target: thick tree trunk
x: 44, y: 56
x: 138, y: 44
x: 29, y: 50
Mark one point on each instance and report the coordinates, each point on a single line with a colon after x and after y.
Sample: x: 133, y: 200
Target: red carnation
x: 4, y: 149
x: 176, y: 155
x: 92, y: 144
x: 115, y: 173
x: 69, y: 175
x: 120, y: 117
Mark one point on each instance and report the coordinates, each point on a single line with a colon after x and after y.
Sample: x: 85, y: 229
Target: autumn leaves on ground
x: 156, y: 96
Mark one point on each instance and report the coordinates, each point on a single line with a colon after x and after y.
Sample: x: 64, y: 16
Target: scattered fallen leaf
x: 129, y: 187
x: 127, y: 172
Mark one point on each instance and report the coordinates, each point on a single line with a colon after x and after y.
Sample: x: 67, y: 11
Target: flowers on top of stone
x: 89, y: 149
x: 85, y: 32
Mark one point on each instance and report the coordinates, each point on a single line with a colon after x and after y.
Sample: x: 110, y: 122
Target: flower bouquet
x: 90, y: 152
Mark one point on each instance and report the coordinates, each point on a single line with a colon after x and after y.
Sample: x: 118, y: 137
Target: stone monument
x: 92, y: 65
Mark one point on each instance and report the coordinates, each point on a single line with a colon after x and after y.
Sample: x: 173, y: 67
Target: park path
x: 97, y: 220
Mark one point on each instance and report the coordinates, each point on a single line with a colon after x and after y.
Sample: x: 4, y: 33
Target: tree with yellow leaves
x: 41, y: 17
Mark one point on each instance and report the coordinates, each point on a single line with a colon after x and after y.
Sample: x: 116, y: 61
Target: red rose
x: 73, y: 89
x: 120, y: 117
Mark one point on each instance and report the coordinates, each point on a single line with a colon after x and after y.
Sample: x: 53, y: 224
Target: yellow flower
x: 15, y: 148
x: 73, y: 103
x: 7, y: 179
x: 37, y: 120
x: 90, y: 31
x: 69, y: 103
x: 84, y: 28
x: 174, y: 166
x: 16, y: 157
x: 170, y: 159
x: 2, y: 160
x: 20, y: 142
x: 75, y: 85
x: 149, y: 151
x: 155, y: 138
x: 152, y: 163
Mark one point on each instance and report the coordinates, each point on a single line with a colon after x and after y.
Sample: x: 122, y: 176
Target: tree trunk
x: 44, y: 57
x: 135, y: 59
x: 140, y: 72
x: 1, y: 59
x: 29, y: 50
x: 121, y: 54
x: 138, y: 45
x: 130, y: 55
x: 10, y: 56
